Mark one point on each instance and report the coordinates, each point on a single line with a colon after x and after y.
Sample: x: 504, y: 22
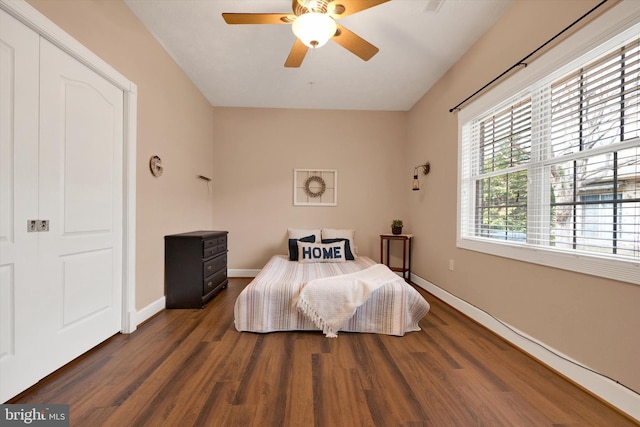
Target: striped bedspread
x: 267, y: 304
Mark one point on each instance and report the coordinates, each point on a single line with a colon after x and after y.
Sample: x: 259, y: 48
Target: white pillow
x: 321, y: 252
x: 336, y: 233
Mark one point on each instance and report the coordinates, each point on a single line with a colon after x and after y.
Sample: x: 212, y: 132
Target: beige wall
x: 256, y: 151
x: 174, y: 121
x: 593, y: 320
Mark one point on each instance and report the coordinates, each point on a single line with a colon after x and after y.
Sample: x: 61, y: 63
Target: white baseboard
x: 149, y: 311
x: 615, y: 394
x: 242, y: 272
x: 157, y: 306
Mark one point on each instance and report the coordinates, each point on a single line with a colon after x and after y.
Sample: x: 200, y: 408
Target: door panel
x: 86, y: 282
x: 89, y: 161
x: 18, y: 202
x: 81, y: 142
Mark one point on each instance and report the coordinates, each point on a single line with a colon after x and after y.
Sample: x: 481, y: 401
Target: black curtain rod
x: 522, y: 62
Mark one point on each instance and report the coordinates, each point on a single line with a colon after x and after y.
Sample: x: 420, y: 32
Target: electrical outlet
x: 451, y: 265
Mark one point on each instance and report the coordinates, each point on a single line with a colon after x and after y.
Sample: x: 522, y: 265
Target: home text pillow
x: 347, y: 247
x: 321, y: 252
x: 293, y: 246
x: 335, y: 233
x: 306, y: 235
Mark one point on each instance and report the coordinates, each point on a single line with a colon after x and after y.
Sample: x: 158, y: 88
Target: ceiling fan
x: 314, y: 23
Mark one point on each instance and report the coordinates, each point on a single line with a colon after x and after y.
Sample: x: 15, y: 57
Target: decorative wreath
x: 319, y: 192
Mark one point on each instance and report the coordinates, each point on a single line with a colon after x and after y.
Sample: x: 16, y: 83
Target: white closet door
x: 81, y: 157
x: 19, y: 282
x: 61, y: 157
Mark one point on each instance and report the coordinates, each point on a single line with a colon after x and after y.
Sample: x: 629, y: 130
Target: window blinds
x: 560, y: 166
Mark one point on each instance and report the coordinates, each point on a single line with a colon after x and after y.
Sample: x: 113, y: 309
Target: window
x: 501, y: 187
x: 556, y: 168
x: 597, y: 226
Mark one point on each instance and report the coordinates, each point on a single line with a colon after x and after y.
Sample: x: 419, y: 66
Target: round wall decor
x: 314, y: 186
x: 155, y: 165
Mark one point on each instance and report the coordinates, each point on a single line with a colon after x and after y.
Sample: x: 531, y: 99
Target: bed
x: 271, y: 302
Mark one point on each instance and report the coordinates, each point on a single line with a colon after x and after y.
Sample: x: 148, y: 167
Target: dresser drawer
x: 211, y: 282
x: 215, y: 264
x: 222, y: 243
x: 211, y: 247
x: 209, y: 252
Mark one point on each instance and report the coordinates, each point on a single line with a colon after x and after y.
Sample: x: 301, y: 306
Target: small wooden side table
x: 406, y: 240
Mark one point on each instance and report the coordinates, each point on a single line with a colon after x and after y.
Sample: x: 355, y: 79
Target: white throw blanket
x: 331, y: 301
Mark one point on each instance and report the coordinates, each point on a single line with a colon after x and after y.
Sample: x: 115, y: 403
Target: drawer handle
x: 210, y: 285
x: 208, y: 268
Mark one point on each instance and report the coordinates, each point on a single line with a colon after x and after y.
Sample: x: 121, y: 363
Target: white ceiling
x: 243, y: 65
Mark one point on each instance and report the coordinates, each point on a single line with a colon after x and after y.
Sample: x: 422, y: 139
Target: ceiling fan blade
x: 354, y: 43
x: 296, y: 56
x: 258, y: 18
x: 341, y: 8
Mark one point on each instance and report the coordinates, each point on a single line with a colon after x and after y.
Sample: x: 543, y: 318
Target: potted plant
x: 396, y: 226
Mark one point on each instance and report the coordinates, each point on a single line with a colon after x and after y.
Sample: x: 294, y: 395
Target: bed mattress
x: 267, y: 304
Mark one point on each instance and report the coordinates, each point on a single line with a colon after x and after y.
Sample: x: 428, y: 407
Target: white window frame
x: 617, y: 25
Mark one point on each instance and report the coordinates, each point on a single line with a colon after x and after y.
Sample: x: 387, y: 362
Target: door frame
x: 28, y: 15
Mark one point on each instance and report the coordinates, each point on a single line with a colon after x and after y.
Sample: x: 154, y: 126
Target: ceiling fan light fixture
x: 319, y: 6
x: 314, y: 29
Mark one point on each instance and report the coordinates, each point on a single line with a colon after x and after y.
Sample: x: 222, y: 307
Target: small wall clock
x: 155, y: 165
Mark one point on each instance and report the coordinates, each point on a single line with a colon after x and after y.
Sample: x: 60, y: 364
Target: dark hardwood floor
x: 191, y: 367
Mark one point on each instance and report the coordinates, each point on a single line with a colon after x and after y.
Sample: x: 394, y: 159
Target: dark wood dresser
x: 195, y: 267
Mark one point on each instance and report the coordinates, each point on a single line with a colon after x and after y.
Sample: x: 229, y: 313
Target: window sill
x: 616, y: 269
